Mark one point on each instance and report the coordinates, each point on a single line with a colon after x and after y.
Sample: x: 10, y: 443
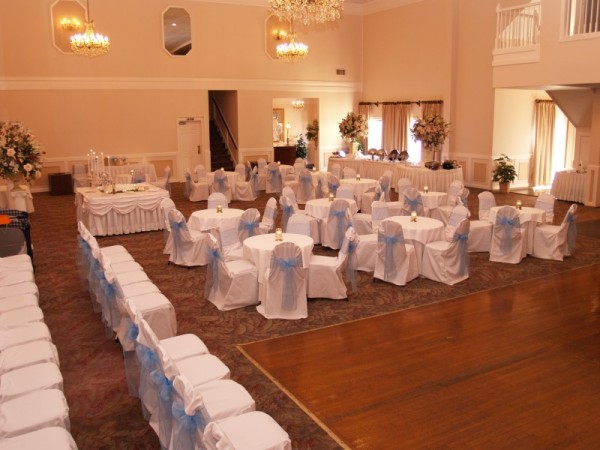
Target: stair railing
x: 226, y: 134
x: 518, y: 26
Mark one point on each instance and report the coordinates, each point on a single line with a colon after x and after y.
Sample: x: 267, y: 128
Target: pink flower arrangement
x: 20, y: 153
x: 431, y: 131
x: 354, y: 127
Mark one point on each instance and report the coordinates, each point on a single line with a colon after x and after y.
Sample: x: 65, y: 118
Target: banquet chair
x: 385, y: 181
x: 254, y: 429
x: 195, y: 191
x: 336, y: 170
x: 396, y: 261
x: 480, y: 231
x: 267, y: 223
x: 249, y: 224
x: 139, y: 176
x: 402, y: 185
x: 12, y: 242
x: 545, y: 201
x: 448, y: 262
x: 287, y: 210
x: 348, y: 172
x: 189, y: 246
x: 229, y: 284
x: 194, y: 407
x: 80, y: 177
x: 459, y: 212
x: 201, y: 174
x: 381, y: 192
x: 166, y: 205
x: 229, y: 242
x: 274, y: 183
x: 36, y: 377
x: 285, y: 287
x: 338, y: 221
x: 325, y: 273
x: 51, y: 437
x: 443, y: 212
x: 319, y: 188
x: 24, y: 334
x: 486, y: 202
x: 367, y: 223
x: 242, y: 189
x: 345, y: 191
x: 305, y: 189
x: 556, y: 241
x: 221, y: 184
x: 262, y: 173
x: 28, y: 354
x: 21, y: 316
x: 509, y: 240
x: 333, y: 183
x: 414, y: 202
x: 165, y: 181
x: 305, y: 225
x: 291, y: 195
x: 253, y: 180
x: 215, y: 199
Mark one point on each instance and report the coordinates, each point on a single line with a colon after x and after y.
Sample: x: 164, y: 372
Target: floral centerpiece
x: 20, y: 154
x: 354, y: 127
x: 432, y: 131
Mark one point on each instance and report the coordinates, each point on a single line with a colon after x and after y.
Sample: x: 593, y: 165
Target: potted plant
x: 301, y: 150
x: 504, y: 172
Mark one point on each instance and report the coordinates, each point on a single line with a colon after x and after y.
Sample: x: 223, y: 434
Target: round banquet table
x: 360, y: 186
x: 258, y: 249
x: 205, y: 219
x: 529, y: 218
x: 319, y: 207
x: 432, y: 200
x: 419, y: 233
x: 232, y: 178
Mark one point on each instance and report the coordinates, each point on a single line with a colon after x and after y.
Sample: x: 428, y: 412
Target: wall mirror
x: 177, y: 31
x: 68, y: 18
x: 278, y: 124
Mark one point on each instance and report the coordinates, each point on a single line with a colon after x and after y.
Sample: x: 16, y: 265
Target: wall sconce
x: 70, y: 24
x: 280, y: 35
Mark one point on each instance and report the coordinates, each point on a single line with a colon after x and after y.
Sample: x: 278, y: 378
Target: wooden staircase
x: 219, y: 156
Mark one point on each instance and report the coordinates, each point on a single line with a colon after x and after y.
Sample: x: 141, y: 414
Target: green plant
x: 312, y: 132
x: 504, y: 171
x: 301, y: 151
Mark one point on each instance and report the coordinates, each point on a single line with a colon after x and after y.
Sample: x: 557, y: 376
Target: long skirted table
x: 120, y: 213
x: 568, y: 185
x: 435, y: 180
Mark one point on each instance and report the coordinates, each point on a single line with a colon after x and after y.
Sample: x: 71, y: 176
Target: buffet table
x: 121, y: 213
x: 435, y: 180
x: 568, y: 185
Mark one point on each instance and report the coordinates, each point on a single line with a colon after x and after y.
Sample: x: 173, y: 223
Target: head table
x: 435, y: 180
x: 121, y: 213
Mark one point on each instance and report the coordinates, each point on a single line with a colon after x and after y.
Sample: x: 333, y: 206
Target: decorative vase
x: 14, y: 183
x: 354, y: 147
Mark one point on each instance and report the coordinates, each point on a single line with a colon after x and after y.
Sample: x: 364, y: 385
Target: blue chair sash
x: 184, y: 434
x: 275, y: 178
x: 221, y: 183
x: 507, y: 227
x: 254, y: 183
x: 248, y: 227
x: 306, y: 185
x: 212, y: 274
x: 176, y: 229
x: 333, y: 187
x: 165, y: 405
x: 288, y: 267
x: 287, y: 211
x: 351, y: 265
x: 341, y: 226
x: 463, y: 250
x: 413, y: 203
x: 148, y: 362
x: 389, y: 241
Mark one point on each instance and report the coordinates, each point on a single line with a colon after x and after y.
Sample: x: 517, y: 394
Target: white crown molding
x: 73, y: 83
x: 375, y: 6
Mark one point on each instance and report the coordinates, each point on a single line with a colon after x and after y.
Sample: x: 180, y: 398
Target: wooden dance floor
x: 515, y: 367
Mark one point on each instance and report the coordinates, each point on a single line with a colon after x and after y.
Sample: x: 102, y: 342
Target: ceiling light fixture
x: 309, y: 12
x: 298, y: 103
x: 89, y: 44
x: 70, y: 24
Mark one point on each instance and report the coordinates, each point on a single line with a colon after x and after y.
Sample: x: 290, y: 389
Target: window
x: 375, y: 133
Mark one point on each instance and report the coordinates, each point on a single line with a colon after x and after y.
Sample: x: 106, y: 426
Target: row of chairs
x: 245, y: 188
x: 185, y: 392
x: 33, y: 409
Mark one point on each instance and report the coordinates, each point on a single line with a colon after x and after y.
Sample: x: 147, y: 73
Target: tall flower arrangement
x: 431, y: 131
x: 20, y: 153
x: 354, y: 127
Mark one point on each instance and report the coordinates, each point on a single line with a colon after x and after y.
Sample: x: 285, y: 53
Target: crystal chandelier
x: 291, y: 51
x: 298, y: 104
x: 89, y: 43
x: 308, y: 12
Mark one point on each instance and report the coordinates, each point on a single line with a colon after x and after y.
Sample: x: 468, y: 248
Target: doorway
x: 189, y: 143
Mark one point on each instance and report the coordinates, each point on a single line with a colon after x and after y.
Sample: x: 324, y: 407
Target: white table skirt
x: 529, y: 218
x: 419, y: 233
x: 433, y: 200
x: 435, y: 180
x: 319, y: 207
x: 122, y: 174
x: 205, y: 219
x: 258, y: 249
x: 122, y: 213
x: 569, y: 185
x: 360, y: 187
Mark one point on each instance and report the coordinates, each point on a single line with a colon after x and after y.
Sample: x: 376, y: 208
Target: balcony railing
x: 518, y: 27
x: 582, y: 17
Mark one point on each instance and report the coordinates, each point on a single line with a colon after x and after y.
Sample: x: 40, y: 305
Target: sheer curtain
x: 396, y: 122
x: 365, y: 110
x: 544, y: 116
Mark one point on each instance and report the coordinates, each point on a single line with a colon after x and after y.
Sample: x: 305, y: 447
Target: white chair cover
x: 28, y: 354
x: 165, y: 181
x: 448, y: 262
x: 229, y: 242
x: 396, y: 261
x: 80, y: 177
x: 29, y: 332
x: 545, y: 201
x: 229, y: 284
x: 509, y: 240
x: 402, y: 185
x: 249, y: 224
x: 195, y: 191
x: 167, y: 205
x: 480, y: 234
x: 274, y: 183
x: 55, y: 438
x: 189, y: 248
x: 37, y: 377
x: 459, y: 212
x: 262, y: 173
x: 221, y: 184
x: 215, y: 199
x: 345, y: 191
x: 287, y: 210
x: 486, y: 202
x: 413, y: 202
x: 333, y: 183
x: 338, y: 221
x: 556, y: 241
x: 336, y: 170
x: 367, y: 223
x: 348, y: 172
x: 242, y: 189
x: 305, y: 189
x: 253, y: 179
x: 267, y: 223
x: 305, y: 225
x: 200, y: 172
x: 285, y: 288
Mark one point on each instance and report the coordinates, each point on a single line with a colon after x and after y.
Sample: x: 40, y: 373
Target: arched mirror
x: 177, y: 31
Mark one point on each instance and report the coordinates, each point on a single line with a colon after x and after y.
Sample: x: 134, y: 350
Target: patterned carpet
x: 102, y: 414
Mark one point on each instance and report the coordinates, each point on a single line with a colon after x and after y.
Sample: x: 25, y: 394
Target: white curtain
x: 396, y: 122
x: 544, y: 116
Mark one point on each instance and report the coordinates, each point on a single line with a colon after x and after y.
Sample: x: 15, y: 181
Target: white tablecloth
x: 419, y: 233
x: 568, y: 185
x: 122, y: 174
x: 360, y: 186
x: 319, y: 207
x: 529, y: 218
x: 205, y: 219
x: 121, y: 213
x: 21, y: 200
x: 258, y: 249
x: 232, y: 178
x: 435, y: 180
x: 433, y: 200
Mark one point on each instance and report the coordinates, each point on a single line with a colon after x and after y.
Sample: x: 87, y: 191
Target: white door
x: 189, y: 144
